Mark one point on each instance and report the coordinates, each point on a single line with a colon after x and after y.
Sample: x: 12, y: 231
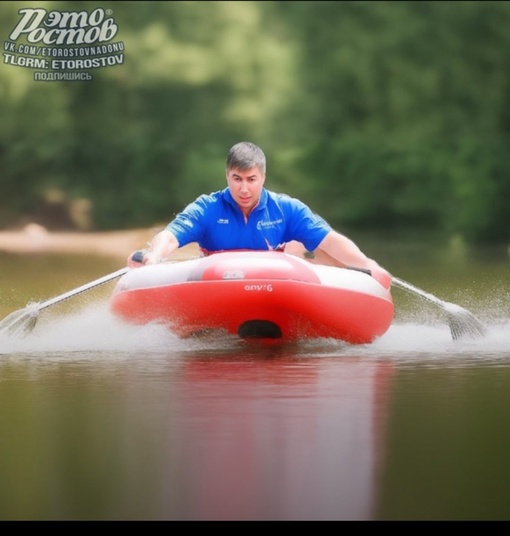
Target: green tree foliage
x: 411, y: 103
x: 379, y: 114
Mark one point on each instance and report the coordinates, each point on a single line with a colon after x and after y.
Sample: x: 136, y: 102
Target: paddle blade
x: 463, y: 324
x: 21, y: 322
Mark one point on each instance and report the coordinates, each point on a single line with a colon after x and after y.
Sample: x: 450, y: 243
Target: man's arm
x: 162, y: 246
x: 345, y: 252
x: 338, y: 250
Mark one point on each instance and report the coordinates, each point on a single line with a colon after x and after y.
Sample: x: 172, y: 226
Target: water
x: 105, y: 421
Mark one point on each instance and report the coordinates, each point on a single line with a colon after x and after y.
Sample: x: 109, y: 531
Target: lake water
x: 103, y: 421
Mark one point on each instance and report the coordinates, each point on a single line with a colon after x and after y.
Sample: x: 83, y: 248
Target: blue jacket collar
x: 261, y: 205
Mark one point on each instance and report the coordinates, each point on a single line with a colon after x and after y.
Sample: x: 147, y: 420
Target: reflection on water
x: 189, y: 429
x: 104, y: 421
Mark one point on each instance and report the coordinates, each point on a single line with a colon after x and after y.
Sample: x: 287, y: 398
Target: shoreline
x: 34, y: 238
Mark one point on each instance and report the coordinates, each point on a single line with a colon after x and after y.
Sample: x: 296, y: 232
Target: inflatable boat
x: 255, y: 294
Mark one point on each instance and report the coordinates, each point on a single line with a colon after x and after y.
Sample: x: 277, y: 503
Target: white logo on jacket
x: 265, y: 224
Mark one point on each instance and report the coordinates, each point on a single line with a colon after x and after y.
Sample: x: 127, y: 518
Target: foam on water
x: 94, y: 329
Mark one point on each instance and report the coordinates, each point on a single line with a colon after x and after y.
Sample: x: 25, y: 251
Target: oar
x: 23, y: 321
x: 462, y: 322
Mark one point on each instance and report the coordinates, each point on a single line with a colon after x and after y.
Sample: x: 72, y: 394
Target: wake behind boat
x: 256, y: 294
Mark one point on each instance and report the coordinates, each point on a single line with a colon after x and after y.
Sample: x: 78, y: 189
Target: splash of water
x: 94, y: 330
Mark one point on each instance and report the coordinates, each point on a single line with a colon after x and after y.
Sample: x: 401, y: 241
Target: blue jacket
x: 216, y: 223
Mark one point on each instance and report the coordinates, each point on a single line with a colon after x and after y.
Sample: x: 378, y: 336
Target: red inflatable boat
x: 256, y: 294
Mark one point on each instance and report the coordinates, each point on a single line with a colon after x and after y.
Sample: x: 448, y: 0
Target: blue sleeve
x: 304, y: 225
x: 189, y: 225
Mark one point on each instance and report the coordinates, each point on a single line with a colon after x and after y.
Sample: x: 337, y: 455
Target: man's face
x: 245, y: 187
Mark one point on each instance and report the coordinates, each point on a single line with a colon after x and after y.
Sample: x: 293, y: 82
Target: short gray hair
x: 245, y: 155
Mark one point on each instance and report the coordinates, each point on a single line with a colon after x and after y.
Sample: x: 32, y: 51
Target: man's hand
x: 381, y: 275
x: 142, y: 257
x: 136, y: 259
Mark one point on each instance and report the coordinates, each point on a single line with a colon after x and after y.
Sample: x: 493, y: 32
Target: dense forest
x: 383, y: 115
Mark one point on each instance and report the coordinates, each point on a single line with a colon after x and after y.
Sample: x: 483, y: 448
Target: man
x: 245, y: 215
